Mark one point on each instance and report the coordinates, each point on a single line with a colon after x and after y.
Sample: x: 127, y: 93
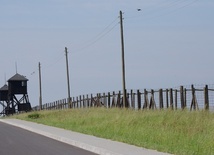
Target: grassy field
x: 177, y: 132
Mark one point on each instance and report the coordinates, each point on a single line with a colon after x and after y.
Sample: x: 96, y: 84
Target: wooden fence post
x: 161, y: 98
x: 138, y: 99
x: 146, y: 100
x: 152, y: 101
x: 127, y: 105
x: 80, y: 101
x: 176, y: 99
x: 109, y: 100
x: 167, y: 98
x: 206, y: 98
x: 83, y: 101
x: 182, y: 96
x: 91, y: 101
x: 98, y: 100
x: 113, y: 104
x: 185, y: 97
x: 118, y: 100
x: 194, y: 104
x: 57, y: 104
x: 171, y: 98
x: 87, y: 101
x: 132, y: 98
x: 105, y: 100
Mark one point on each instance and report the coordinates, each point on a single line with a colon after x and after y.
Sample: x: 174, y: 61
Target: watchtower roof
x: 5, y: 87
x: 18, y: 77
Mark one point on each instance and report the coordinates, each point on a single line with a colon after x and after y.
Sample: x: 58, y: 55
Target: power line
x: 89, y: 43
x: 162, y: 9
x: 103, y: 31
x: 180, y: 7
x: 99, y: 36
x: 45, y: 66
x: 92, y: 42
x: 97, y: 39
x: 54, y: 62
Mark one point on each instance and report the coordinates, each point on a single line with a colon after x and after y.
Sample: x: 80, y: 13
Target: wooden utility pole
x: 123, y: 61
x: 40, y: 88
x: 68, y: 83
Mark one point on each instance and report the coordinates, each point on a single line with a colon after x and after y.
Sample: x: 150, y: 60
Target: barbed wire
x: 162, y: 9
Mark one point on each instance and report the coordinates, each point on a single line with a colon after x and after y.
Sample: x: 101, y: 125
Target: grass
x: 177, y: 132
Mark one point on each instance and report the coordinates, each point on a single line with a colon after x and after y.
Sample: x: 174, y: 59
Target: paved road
x: 17, y: 141
x: 87, y: 142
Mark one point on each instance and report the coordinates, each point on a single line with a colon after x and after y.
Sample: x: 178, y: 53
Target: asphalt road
x: 17, y: 141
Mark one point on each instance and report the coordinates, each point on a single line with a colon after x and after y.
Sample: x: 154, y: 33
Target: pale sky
x: 167, y: 44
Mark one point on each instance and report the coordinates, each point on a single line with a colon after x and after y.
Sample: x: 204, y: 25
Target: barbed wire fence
x: 192, y: 97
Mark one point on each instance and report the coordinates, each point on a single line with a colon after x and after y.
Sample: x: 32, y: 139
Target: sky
x: 168, y: 43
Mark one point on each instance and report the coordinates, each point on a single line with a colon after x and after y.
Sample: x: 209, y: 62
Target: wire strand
x: 96, y: 40
x: 164, y: 9
x: 99, y: 36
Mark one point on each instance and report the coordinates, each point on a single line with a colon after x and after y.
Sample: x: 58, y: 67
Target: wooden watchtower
x: 3, y: 98
x: 17, y: 95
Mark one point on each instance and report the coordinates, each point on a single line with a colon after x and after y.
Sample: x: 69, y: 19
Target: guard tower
x: 3, y: 98
x: 17, y: 95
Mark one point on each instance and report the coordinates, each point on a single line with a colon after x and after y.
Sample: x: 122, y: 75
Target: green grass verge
x: 177, y: 132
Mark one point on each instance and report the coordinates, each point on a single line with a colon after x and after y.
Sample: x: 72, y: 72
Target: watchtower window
x: 24, y: 83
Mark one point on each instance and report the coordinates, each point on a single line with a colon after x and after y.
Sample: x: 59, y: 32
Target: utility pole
x: 40, y: 88
x: 69, y: 97
x: 123, y: 61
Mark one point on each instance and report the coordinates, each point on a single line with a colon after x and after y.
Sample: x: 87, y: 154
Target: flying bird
x: 138, y: 9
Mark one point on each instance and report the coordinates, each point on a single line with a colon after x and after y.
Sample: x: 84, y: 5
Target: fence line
x: 182, y: 97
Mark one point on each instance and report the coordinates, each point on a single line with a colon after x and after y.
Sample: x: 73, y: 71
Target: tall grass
x: 177, y: 132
